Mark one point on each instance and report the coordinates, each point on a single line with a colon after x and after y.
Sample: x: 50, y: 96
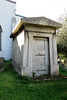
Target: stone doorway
x: 40, y: 56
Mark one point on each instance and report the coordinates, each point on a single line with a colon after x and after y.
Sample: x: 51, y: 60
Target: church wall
x: 7, y: 11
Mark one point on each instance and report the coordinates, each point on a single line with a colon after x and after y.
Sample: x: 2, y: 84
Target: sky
x: 51, y: 9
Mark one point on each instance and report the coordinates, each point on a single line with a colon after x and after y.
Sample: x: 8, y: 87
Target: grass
x: 15, y: 87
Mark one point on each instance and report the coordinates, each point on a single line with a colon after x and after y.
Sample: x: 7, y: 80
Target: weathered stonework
x: 34, y: 47
x: 1, y: 64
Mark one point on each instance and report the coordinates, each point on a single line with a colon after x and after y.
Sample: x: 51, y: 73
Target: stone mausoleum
x: 34, y: 46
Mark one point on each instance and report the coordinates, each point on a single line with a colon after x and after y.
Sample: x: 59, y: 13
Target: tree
x: 62, y: 35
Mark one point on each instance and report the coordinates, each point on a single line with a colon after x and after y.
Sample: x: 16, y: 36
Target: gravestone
x: 1, y: 64
x: 65, y: 62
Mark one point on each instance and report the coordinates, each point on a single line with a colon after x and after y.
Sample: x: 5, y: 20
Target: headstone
x: 65, y: 62
x: 1, y: 64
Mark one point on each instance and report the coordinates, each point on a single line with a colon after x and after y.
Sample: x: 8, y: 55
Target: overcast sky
x: 48, y: 8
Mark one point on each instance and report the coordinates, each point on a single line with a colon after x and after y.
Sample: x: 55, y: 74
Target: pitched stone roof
x: 42, y: 21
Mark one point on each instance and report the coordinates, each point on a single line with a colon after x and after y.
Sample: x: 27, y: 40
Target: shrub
x: 62, y: 70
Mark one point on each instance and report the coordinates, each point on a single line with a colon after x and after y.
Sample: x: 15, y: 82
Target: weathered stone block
x: 65, y: 63
x: 1, y: 64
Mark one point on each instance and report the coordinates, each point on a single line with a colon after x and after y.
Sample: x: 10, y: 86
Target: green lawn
x: 15, y: 87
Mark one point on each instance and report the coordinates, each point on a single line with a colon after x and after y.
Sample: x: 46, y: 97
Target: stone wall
x: 23, y: 61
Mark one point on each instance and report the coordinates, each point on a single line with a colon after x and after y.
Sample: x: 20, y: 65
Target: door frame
x: 40, y: 34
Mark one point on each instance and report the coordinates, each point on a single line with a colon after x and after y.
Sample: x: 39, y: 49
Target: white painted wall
x: 7, y: 11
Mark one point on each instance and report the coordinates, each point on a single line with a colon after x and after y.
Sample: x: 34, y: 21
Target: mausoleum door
x: 40, y: 56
